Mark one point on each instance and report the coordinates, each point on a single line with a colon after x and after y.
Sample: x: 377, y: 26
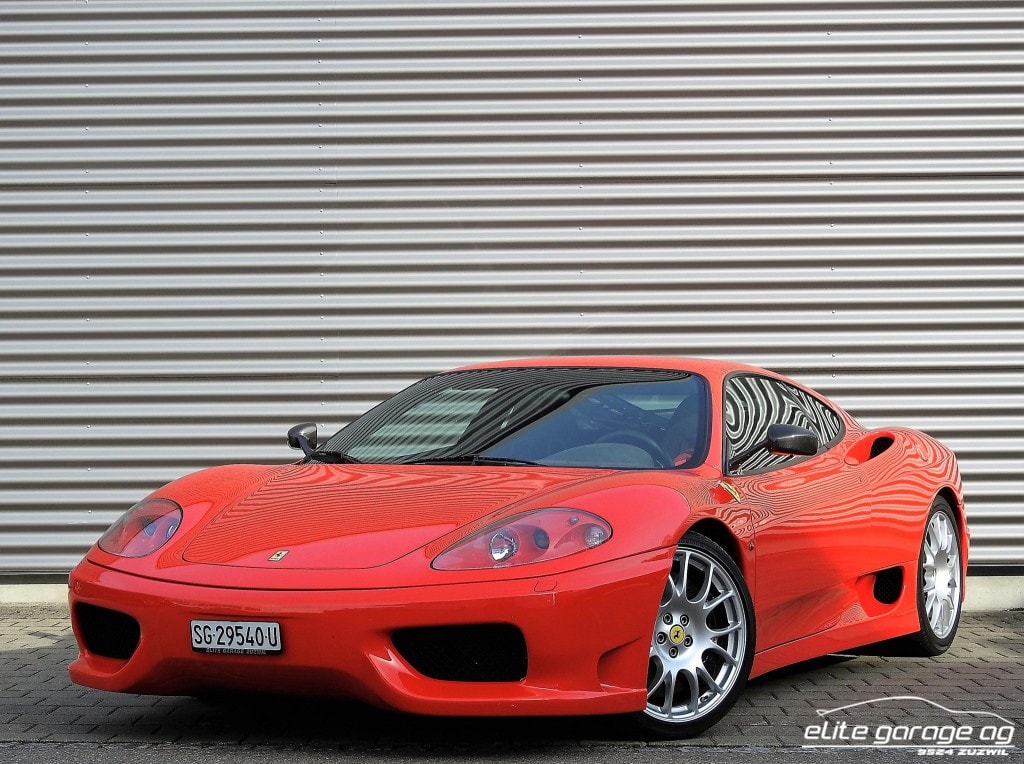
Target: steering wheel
x: 642, y: 440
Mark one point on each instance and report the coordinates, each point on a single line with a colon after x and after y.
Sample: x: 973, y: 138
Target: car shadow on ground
x: 40, y: 691
x: 39, y: 703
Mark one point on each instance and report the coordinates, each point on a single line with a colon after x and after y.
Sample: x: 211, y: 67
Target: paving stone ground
x: 983, y: 674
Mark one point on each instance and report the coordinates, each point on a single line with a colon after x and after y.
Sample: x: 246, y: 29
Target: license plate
x: 236, y: 637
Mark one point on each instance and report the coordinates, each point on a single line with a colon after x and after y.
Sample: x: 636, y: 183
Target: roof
x: 704, y: 366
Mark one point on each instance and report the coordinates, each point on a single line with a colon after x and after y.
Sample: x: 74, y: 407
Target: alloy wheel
x: 699, y: 644
x: 941, y: 575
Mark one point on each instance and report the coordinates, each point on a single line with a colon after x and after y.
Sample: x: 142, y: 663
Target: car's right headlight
x: 143, y: 529
x: 537, y: 536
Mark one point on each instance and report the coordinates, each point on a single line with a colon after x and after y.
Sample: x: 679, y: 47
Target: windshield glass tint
x: 567, y: 417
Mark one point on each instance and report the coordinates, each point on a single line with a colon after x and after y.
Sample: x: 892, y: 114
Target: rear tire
x: 702, y: 646
x: 939, y: 583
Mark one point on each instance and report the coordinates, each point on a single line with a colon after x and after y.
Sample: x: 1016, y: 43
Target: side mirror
x: 303, y: 436
x: 790, y: 439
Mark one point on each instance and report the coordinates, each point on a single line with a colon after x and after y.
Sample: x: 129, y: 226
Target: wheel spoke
x: 659, y: 681
x: 929, y: 555
x: 734, y: 626
x: 724, y: 654
x: 930, y: 603
x: 705, y: 589
x: 929, y: 579
x: 670, y: 691
x: 947, y: 608
x: 684, y: 573
x: 709, y: 680
x: 722, y: 597
x: 942, y: 613
x: 694, y: 687
x: 945, y: 536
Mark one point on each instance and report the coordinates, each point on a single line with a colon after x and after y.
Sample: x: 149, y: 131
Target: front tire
x: 702, y: 647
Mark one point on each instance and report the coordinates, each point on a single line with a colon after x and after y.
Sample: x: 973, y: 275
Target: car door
x: 809, y: 512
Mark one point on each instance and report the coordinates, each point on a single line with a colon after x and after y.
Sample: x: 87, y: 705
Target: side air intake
x: 888, y: 585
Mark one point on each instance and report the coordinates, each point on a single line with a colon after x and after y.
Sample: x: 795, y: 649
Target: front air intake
x: 486, y: 652
x: 107, y: 633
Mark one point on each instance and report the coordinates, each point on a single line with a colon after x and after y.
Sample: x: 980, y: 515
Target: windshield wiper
x: 333, y: 457
x: 476, y: 460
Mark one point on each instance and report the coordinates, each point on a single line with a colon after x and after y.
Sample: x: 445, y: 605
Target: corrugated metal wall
x: 220, y: 218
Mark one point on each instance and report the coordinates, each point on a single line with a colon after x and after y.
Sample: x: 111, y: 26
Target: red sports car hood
x: 360, y: 516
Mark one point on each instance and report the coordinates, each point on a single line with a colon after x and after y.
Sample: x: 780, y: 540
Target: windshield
x: 562, y: 417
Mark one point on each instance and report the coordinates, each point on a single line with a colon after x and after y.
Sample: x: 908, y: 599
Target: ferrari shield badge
x: 278, y: 556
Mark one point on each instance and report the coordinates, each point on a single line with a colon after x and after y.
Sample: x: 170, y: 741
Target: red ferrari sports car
x: 558, y: 536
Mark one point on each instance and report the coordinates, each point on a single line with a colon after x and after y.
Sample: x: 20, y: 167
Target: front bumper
x: 587, y: 635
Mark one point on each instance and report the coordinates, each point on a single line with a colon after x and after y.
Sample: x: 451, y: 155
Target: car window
x: 753, y: 403
x: 616, y: 418
x: 819, y: 418
x: 424, y: 426
x: 652, y: 424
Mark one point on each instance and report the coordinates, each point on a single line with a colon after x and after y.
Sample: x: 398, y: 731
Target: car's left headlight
x: 537, y: 536
x: 142, y: 529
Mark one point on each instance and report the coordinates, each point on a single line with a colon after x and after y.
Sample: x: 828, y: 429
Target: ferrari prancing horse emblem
x: 278, y: 556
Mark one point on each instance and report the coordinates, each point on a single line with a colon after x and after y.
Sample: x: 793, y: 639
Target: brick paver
x: 984, y: 671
